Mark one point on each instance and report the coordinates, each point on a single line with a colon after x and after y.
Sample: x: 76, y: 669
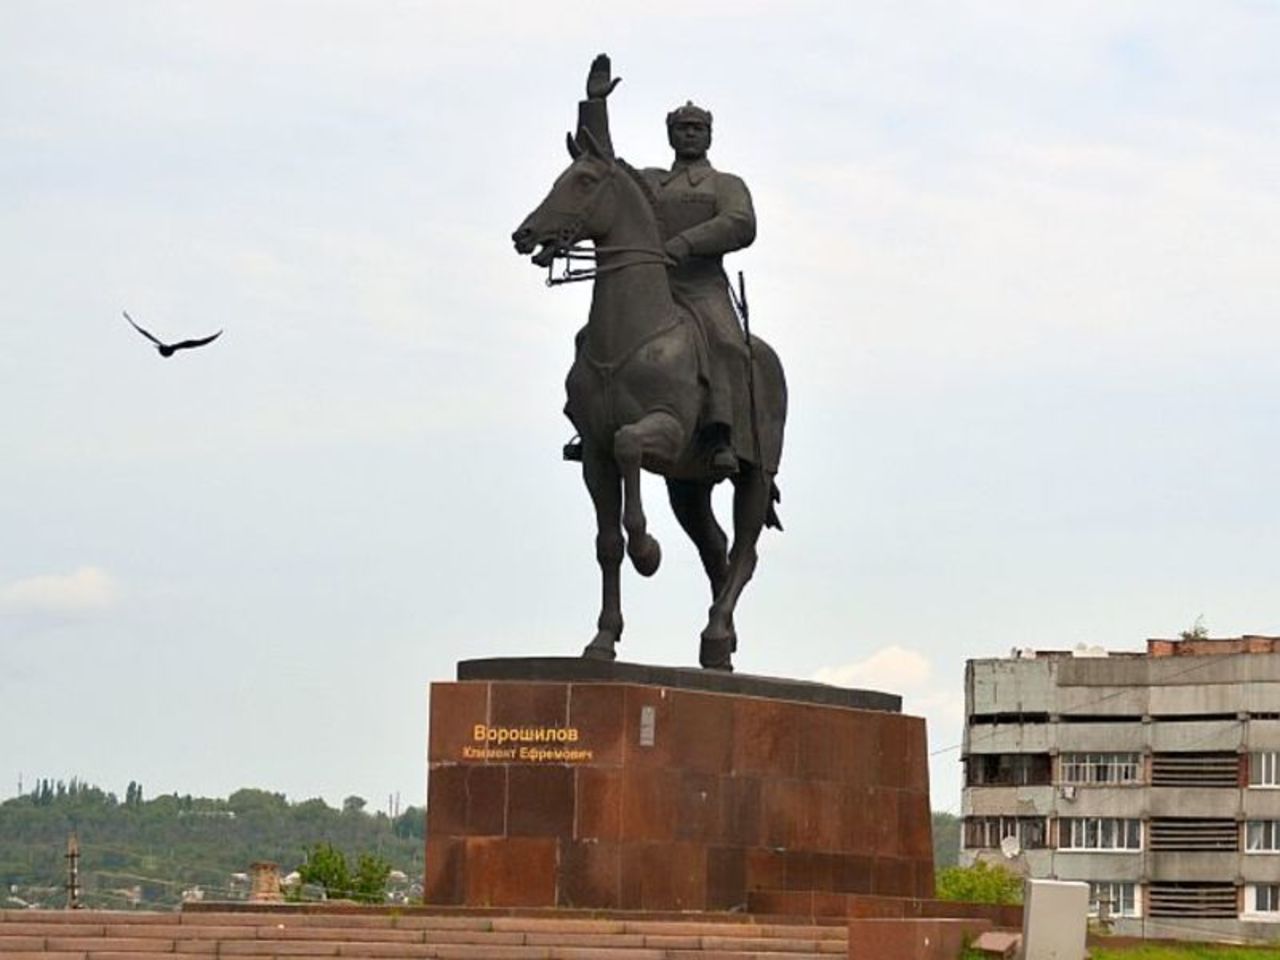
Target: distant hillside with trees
x: 145, y: 853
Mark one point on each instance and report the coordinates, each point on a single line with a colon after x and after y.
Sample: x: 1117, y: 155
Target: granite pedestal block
x: 626, y: 787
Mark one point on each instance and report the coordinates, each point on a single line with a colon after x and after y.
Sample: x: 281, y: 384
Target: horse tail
x: 771, y: 517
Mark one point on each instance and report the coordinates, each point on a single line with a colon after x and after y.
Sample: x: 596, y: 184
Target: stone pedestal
x: 570, y: 783
x: 264, y: 876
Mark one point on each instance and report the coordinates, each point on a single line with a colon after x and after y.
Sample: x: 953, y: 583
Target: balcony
x: 1127, y: 866
x: 1007, y: 801
x: 1261, y: 803
x: 1007, y: 769
x: 1107, y: 801
x: 1189, y: 834
x: 1201, y: 769
x: 1007, y: 738
x: 1205, y: 803
x: 1192, y: 900
x: 1217, y: 735
x: 1193, y: 866
x: 1093, y: 737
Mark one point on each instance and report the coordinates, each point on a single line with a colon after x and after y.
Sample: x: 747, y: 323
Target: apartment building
x: 1153, y: 776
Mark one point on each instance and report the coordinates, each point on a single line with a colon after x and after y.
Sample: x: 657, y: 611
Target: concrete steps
x: 259, y: 935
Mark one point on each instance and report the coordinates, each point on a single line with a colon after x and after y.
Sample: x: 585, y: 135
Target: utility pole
x: 73, y: 873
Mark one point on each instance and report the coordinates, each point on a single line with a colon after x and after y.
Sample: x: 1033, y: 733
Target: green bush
x: 981, y: 883
x: 327, y: 867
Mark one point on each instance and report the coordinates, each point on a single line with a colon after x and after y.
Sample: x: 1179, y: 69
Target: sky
x: 1019, y: 261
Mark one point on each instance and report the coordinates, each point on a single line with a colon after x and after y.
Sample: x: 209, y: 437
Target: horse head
x: 580, y: 205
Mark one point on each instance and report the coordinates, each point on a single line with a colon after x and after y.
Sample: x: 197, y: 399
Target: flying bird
x: 168, y: 349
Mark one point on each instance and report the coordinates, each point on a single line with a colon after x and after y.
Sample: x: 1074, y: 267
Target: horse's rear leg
x: 603, y: 482
x: 750, y: 508
x: 691, y: 503
x: 656, y: 438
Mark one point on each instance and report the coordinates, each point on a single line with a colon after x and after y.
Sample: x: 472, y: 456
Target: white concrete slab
x: 1054, y: 920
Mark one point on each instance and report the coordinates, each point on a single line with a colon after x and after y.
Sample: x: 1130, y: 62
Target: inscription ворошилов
x: 523, y: 745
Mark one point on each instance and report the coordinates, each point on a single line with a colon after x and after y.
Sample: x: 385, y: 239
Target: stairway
x: 413, y: 933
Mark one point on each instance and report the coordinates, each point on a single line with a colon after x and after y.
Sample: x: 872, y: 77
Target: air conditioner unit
x: 1068, y: 792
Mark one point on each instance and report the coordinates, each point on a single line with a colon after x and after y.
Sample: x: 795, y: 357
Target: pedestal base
x: 624, y: 786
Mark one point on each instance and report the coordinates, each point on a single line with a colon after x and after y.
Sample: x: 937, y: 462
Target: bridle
x: 570, y: 250
x: 571, y: 274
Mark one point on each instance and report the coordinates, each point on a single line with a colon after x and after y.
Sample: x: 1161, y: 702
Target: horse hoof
x: 646, y: 557
x: 717, y: 652
x: 600, y: 649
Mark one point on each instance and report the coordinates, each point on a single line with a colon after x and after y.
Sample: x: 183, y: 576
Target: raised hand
x: 600, y: 79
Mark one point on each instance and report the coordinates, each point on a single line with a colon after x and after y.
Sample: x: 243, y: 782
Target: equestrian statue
x: 664, y: 377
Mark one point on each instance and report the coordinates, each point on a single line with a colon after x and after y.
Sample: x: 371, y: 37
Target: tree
x: 946, y: 840
x: 181, y: 840
x: 326, y: 867
x: 249, y: 801
x: 1198, y: 630
x: 411, y: 824
x: 981, y: 883
x: 354, y: 804
x: 369, y: 885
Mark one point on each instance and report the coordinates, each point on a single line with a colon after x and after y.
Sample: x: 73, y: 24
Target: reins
x: 577, y: 252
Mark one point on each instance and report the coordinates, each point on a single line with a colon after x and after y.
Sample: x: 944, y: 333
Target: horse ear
x: 592, y: 144
x: 575, y: 151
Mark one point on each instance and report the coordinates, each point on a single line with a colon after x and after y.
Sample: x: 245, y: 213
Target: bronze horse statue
x: 635, y: 393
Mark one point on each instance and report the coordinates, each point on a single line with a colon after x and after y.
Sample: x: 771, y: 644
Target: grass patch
x: 1187, y: 952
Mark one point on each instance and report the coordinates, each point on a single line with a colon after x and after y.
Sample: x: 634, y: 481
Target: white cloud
x: 906, y: 672
x: 891, y: 668
x: 84, y: 591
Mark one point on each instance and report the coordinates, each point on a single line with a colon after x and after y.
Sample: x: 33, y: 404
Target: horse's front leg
x: 601, y: 476
x: 656, y: 437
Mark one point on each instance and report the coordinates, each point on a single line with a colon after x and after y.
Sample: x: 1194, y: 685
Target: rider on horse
x: 703, y: 214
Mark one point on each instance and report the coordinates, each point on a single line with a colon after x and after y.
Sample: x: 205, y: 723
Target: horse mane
x: 647, y: 190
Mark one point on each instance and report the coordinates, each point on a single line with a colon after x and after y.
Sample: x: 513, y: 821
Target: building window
x: 1101, y: 768
x: 1263, y: 898
x: 1006, y: 769
x: 1262, y: 836
x: 1099, y: 833
x: 1264, y: 769
x: 1121, y: 899
x: 989, y: 832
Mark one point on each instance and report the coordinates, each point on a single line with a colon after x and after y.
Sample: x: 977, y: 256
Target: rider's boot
x: 572, y: 451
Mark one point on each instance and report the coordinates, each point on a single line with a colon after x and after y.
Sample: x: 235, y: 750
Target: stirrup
x: 572, y: 450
